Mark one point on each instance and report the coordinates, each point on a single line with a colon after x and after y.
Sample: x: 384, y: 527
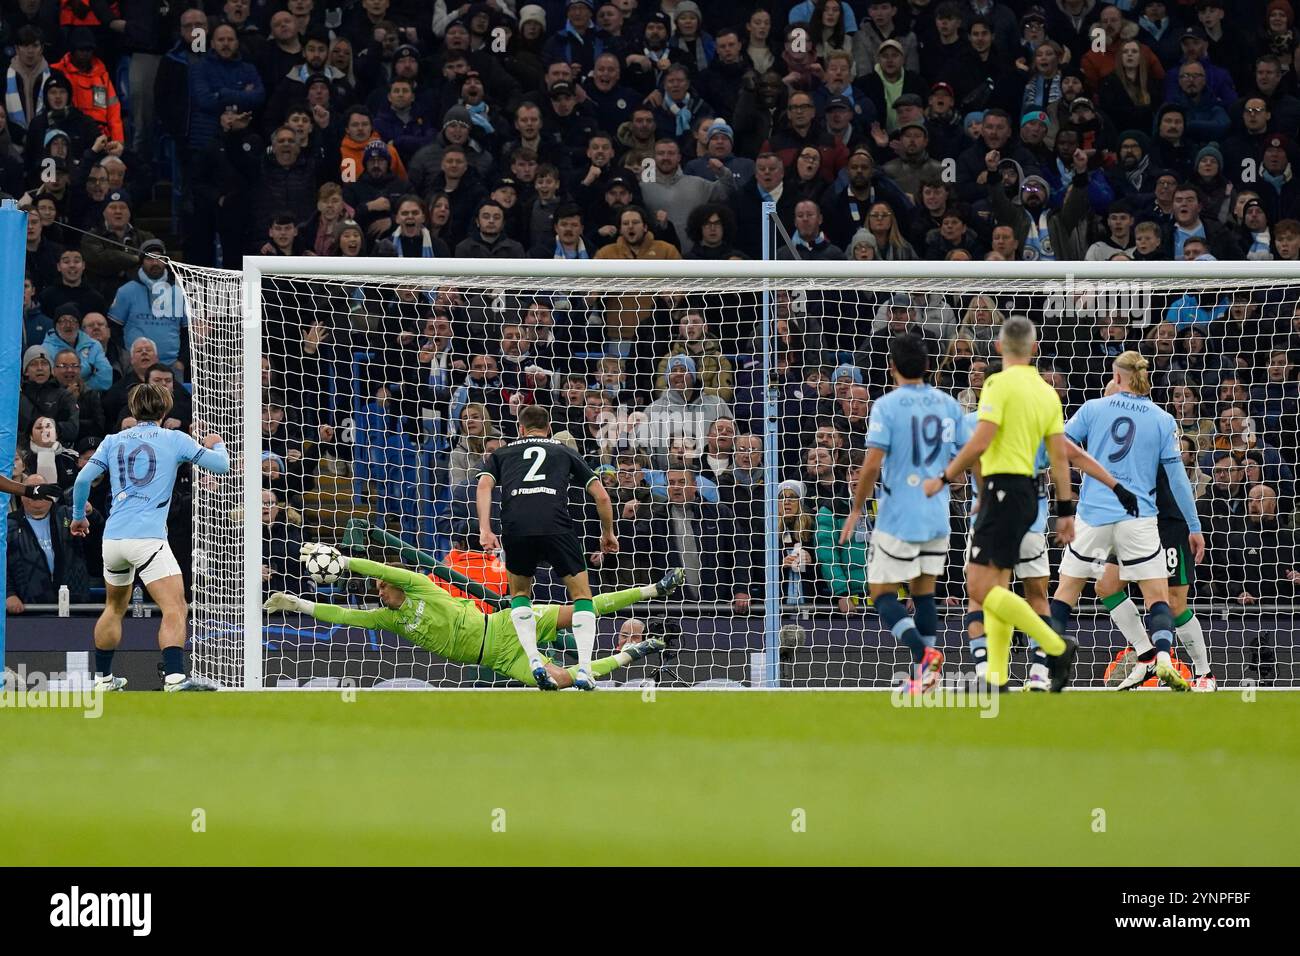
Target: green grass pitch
x: 690, y: 778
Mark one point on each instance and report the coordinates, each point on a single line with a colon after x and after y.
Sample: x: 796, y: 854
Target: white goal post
x: 804, y: 335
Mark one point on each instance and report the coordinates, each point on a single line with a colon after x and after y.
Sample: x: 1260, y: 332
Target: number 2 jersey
x: 1043, y: 473
x: 916, y: 427
x: 1133, y: 438
x: 141, y: 463
x: 535, y: 475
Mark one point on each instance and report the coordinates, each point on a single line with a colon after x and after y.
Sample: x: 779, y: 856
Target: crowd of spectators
x: 646, y: 129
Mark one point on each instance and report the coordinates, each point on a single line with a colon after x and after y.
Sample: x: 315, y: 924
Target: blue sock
x: 103, y: 662
x: 1160, y: 625
x: 978, y: 645
x: 1036, y: 653
x: 1060, y: 617
x: 926, y: 615
x: 174, y: 660
x: 903, y: 627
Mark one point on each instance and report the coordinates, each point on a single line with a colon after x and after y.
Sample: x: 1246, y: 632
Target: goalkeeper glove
x: 1127, y: 499
x: 47, y: 491
x: 279, y: 601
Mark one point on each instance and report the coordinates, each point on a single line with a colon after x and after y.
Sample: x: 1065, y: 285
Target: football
x: 325, y: 564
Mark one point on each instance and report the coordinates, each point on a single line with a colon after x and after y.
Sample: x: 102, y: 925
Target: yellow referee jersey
x: 1026, y: 410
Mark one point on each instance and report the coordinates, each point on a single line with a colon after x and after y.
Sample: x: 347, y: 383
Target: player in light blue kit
x: 1034, y: 569
x: 141, y: 464
x: 1135, y: 439
x: 911, y: 436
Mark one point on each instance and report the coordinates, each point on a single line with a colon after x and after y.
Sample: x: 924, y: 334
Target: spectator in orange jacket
x: 358, y: 133
x: 488, y: 570
x: 92, y: 89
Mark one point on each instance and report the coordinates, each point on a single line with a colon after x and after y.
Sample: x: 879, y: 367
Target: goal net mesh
x: 380, y: 395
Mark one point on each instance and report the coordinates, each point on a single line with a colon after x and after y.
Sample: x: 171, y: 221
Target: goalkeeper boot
x: 1060, y: 667
x: 584, y: 680
x: 1205, y: 684
x: 930, y: 669
x: 1039, y: 680
x: 643, y: 649
x: 108, y: 683
x: 1139, y: 674
x: 670, y: 582
x: 1170, y: 677
x: 543, y: 677
x: 188, y: 684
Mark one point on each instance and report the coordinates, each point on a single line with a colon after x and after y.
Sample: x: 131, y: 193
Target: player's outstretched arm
x: 487, y: 539
x: 398, y: 577
x: 48, y: 490
x: 966, y: 459
x: 1181, y: 486
x: 1092, y: 468
x: 1059, y: 456
x: 605, y: 509
x: 329, y: 613
x: 80, y: 527
x: 213, y: 456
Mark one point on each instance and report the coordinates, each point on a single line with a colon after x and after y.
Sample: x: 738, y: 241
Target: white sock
x: 584, y: 635
x: 650, y: 591
x: 1129, y: 622
x: 1163, y: 658
x: 980, y: 669
x: 172, y: 678
x: 526, y: 630
x: 1193, y: 639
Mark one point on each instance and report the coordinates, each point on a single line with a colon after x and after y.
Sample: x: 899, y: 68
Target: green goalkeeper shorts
x: 504, y: 653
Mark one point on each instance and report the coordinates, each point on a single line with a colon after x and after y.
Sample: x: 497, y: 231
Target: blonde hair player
x: 1136, y: 439
x: 1183, y: 550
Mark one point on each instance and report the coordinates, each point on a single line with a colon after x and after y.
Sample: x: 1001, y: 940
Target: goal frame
x: 770, y: 272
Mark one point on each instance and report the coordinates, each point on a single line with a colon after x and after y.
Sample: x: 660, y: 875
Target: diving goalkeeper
x: 416, y: 608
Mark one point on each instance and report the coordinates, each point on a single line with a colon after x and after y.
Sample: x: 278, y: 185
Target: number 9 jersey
x: 917, y: 428
x: 1133, y: 438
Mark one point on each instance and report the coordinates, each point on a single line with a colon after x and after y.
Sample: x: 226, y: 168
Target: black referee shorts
x: 562, y: 552
x: 1008, y: 509
x: 1174, y: 541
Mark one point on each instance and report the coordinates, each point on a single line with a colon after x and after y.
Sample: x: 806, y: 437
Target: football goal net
x: 724, y: 406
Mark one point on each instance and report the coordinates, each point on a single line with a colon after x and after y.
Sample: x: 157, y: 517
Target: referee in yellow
x: 1018, y: 411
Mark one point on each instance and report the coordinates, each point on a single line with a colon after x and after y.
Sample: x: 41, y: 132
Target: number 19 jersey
x: 535, y: 475
x: 916, y: 427
x: 1132, y: 437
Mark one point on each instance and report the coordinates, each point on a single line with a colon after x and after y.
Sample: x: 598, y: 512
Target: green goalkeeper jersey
x: 451, y: 627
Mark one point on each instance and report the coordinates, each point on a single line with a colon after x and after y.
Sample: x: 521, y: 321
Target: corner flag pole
x: 13, y: 252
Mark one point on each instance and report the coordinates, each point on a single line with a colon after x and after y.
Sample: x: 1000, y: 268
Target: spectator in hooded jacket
x: 92, y: 89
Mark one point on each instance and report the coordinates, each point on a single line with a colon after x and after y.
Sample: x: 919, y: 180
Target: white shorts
x: 151, y: 558
x: 1033, y: 561
x: 1135, y: 541
x: 894, y: 561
